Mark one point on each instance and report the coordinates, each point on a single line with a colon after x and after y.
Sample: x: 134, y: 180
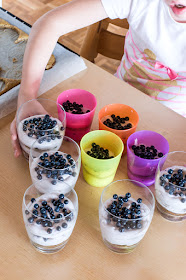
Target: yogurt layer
x: 53, y: 185
x: 38, y: 233
x: 26, y: 142
x: 130, y: 236
x: 170, y: 202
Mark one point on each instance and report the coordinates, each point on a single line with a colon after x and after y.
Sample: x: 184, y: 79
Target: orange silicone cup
x: 123, y: 111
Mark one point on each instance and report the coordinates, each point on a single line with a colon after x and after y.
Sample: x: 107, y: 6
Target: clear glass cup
x: 55, y: 169
x: 170, y: 186
x: 48, y: 225
x: 37, y: 118
x: 125, y: 214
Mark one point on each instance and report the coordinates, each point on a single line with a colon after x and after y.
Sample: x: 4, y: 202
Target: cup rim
x: 48, y: 219
x: 164, y: 157
x: 39, y: 98
x: 116, y: 130
x: 145, y: 159
x: 84, y: 91
x: 66, y: 137
x: 135, y: 182
x: 104, y: 131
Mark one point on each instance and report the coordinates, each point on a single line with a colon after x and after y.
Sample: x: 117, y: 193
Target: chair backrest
x: 99, y: 39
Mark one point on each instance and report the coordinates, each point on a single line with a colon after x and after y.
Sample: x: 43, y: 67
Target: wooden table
x: 162, y: 253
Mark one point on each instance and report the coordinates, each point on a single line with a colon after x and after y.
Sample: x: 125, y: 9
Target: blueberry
x: 128, y: 195
x: 39, y: 177
x: 139, y: 200
x: 170, y: 171
x: 57, y: 209
x: 167, y: 187
x: 121, y: 229
x: 33, y: 199
x: 183, y: 200
x: 68, y: 156
x: 60, y: 178
x: 26, y: 212
x: 42, y: 210
x: 54, y: 182
x: 44, y: 223
x: 49, y: 230
x: 61, y: 196
x: 64, y: 225
x: 44, y: 203
x: 138, y: 212
x: 138, y: 225
x: 66, y: 201
x: 181, y: 194
x: 31, y: 219
x: 160, y: 154
x: 125, y: 199
x: 35, y: 212
x: 58, y: 228
x: 49, y: 224
x: 38, y: 222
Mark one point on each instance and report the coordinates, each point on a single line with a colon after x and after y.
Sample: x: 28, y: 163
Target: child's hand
x: 34, y: 108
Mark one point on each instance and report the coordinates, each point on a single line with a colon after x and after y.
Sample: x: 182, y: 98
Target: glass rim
x: 164, y: 157
x: 39, y: 98
x: 142, y: 186
x: 48, y: 219
x: 47, y: 151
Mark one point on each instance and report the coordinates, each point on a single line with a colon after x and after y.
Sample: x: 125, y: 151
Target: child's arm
x: 42, y: 40
x: 45, y: 33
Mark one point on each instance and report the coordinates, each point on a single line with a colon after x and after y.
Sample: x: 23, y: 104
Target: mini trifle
x: 49, y: 218
x: 170, y: 186
x: 37, y: 118
x: 125, y: 213
x: 55, y: 171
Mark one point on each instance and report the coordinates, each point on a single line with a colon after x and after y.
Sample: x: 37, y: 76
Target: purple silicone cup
x: 77, y: 125
x: 143, y: 170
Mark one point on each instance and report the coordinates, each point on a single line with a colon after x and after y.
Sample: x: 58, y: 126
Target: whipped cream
x: 168, y: 201
x: 46, y: 184
x: 26, y: 142
x: 129, y: 237
x: 38, y: 233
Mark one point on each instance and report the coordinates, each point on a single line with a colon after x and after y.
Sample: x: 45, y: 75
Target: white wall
x: 0, y: 3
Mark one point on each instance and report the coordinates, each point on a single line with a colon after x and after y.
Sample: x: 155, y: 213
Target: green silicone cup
x: 100, y: 172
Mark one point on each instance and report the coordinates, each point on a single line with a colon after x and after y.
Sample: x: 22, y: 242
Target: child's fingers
x: 14, y: 139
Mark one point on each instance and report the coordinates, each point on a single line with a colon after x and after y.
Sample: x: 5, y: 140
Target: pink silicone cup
x: 77, y: 125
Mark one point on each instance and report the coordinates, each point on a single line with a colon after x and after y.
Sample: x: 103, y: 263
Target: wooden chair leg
x: 90, y: 43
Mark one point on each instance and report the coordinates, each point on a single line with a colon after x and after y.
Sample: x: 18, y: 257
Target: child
x: 154, y: 59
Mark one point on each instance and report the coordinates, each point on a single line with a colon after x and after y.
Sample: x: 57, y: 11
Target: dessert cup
x: 123, y: 111
x: 141, y: 169
x: 125, y: 214
x: 37, y: 118
x: 100, y: 172
x: 55, y: 170
x: 48, y: 225
x: 78, y: 124
x: 170, y: 186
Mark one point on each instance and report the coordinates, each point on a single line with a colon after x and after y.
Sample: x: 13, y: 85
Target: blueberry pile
x: 174, y: 183
x: 49, y: 217
x: 123, y: 210
x: 74, y: 108
x: 118, y: 123
x: 54, y: 166
x: 39, y: 127
x: 99, y: 152
x: 146, y: 152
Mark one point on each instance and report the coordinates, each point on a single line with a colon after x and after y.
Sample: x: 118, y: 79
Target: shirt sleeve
x: 118, y: 8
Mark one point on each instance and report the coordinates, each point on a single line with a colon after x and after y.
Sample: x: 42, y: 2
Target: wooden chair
x: 99, y: 39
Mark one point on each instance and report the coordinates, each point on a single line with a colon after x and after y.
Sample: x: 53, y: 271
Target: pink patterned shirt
x: 154, y: 59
